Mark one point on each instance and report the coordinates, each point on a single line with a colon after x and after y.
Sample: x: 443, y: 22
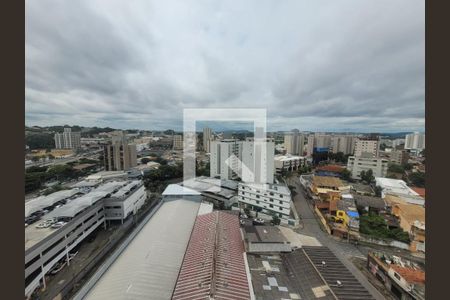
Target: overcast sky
x: 315, y: 65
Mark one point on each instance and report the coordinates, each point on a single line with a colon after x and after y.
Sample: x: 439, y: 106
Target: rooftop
x: 327, y: 181
x: 214, y: 264
x: 331, y: 168
x: 369, y: 201
x: 148, y: 267
x: 178, y: 190
x: 41, y: 202
x: 287, y: 157
x: 263, y: 234
x: 280, y: 188
x: 394, y: 186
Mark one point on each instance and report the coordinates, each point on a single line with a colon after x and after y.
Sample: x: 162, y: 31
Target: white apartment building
x: 288, y: 163
x: 268, y: 198
x: 249, y: 160
x: 119, y: 155
x: 357, y: 164
x: 343, y: 143
x: 415, y: 141
x: 68, y: 139
x: 258, y: 160
x: 294, y: 142
x: 367, y: 146
x: 178, y: 142
x: 207, y: 138
x: 318, y: 140
x: 224, y: 150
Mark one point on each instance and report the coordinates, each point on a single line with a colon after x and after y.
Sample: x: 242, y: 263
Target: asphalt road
x: 343, y: 250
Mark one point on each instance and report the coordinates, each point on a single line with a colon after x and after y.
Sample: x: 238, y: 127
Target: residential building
x: 347, y: 212
x: 411, y: 218
x: 367, y: 146
x: 415, y: 141
x: 288, y: 163
x: 318, y: 142
x: 357, y: 164
x: 399, y: 157
x: 269, y: 199
x: 225, y: 159
x: 177, y: 142
x: 326, y: 192
x: 258, y: 160
x: 343, y: 143
x: 207, y: 138
x: 119, y: 155
x: 294, y: 142
x: 249, y: 160
x: 404, y: 279
x: 398, y: 188
x: 68, y: 140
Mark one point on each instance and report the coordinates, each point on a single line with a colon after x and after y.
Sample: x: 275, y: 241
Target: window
x: 396, y: 275
x: 257, y: 202
x: 281, y: 196
x: 281, y: 202
x: 257, y: 196
x: 271, y: 200
x: 243, y: 193
x: 281, y: 208
x: 270, y: 205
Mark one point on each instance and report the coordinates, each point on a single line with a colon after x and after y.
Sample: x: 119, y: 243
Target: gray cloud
x: 315, y: 65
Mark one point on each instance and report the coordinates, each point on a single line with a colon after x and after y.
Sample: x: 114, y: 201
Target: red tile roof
x: 418, y: 190
x: 214, y: 260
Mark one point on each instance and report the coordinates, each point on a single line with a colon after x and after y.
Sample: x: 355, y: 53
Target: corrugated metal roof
x: 214, y: 262
x: 44, y: 201
x: 149, y: 266
x: 178, y: 190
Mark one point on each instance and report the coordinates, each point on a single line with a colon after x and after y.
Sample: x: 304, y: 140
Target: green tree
x: 276, y: 220
x: 417, y: 179
x: 395, y: 168
x: 367, y: 176
x: 346, y: 175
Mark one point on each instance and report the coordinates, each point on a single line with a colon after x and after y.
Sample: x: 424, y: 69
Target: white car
x: 58, y: 224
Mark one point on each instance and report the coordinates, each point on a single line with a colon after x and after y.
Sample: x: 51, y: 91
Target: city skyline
x: 361, y: 70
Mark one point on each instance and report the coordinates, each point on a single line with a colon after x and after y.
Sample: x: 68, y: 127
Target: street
x: 342, y: 249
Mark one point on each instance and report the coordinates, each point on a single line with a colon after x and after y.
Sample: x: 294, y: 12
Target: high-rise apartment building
x: 119, y: 155
x: 367, y: 146
x: 68, y: 140
x: 177, y: 142
x: 221, y: 152
x: 318, y: 142
x: 415, y: 141
x: 250, y: 160
x: 258, y: 160
x: 294, y: 142
x: 400, y: 157
x: 207, y: 138
x: 343, y: 143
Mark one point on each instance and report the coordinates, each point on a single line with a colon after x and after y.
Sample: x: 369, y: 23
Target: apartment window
x: 271, y: 200
x: 257, y: 202
x: 243, y: 193
x: 281, y: 208
x: 270, y: 205
x: 281, y: 196
x: 257, y: 196
x: 281, y: 202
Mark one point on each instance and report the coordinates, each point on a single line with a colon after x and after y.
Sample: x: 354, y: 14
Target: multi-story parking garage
x: 45, y: 247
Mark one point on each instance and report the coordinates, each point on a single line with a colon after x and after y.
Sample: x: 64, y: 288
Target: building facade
x: 399, y: 157
x: 415, y: 141
x: 367, y: 146
x: 207, y: 138
x: 344, y: 144
x: 177, y: 142
x: 119, y: 155
x: 357, y: 164
x: 288, y: 163
x: 68, y: 140
x: 249, y: 160
x: 267, y: 198
x: 294, y: 142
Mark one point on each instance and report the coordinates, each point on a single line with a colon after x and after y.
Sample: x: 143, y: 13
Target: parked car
x: 244, y: 216
x: 58, y: 224
x: 242, y: 222
x: 258, y: 221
